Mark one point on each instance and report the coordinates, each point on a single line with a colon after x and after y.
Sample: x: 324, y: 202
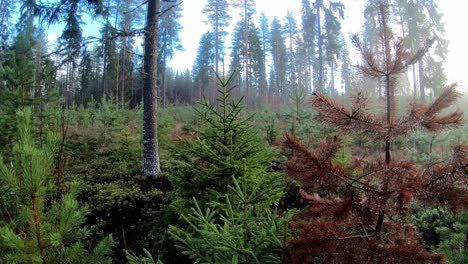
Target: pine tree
x: 333, y: 40
x: 420, y: 20
x: 291, y: 30
x: 345, y: 70
x: 355, y: 217
x: 110, y: 60
x: 257, y: 73
x: 34, y: 228
x: 169, y: 41
x: 326, y: 12
x: 28, y: 78
x: 248, y: 9
x: 302, y: 66
x: 257, y: 67
x: 151, y: 164
x: 86, y: 78
x: 131, y: 14
x: 203, y: 65
x: 279, y: 56
x: 308, y: 34
x: 218, y: 18
x: 6, y: 13
x: 237, y: 58
x: 265, y: 41
x: 227, y: 147
x: 224, y: 173
x: 373, y: 36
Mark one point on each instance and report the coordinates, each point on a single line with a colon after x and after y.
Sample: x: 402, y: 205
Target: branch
x: 177, y: 3
x: 355, y: 236
x: 334, y: 113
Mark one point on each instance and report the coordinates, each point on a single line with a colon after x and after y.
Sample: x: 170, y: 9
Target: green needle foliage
x: 224, y: 192
x: 227, y: 146
x: 34, y: 228
x: 147, y: 259
x: 443, y: 232
x: 247, y: 231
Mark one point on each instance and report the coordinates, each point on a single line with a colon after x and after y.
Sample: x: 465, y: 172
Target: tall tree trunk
x: 415, y: 81
x: 104, y: 77
x: 126, y: 29
x: 291, y: 52
x: 263, y: 85
x: 150, y: 119
x: 123, y: 76
x: 332, y: 82
x: 117, y: 87
x: 246, y: 39
x: 421, y: 81
x: 320, y: 47
x: 388, y: 86
x: 162, y: 83
x: 217, y: 37
x: 310, y: 63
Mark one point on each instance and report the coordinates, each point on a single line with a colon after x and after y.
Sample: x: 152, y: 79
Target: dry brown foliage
x: 354, y: 219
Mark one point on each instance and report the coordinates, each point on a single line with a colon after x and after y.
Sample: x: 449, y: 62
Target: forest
x: 286, y: 140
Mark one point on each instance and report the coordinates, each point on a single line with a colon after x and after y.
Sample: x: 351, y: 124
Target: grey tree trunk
x: 421, y: 81
x: 246, y: 40
x: 151, y: 166
x: 320, y: 48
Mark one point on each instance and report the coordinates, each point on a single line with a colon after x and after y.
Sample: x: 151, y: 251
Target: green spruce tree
x: 224, y: 193
x: 34, y: 227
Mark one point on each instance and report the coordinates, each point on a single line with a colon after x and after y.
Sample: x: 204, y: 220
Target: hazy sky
x: 193, y: 27
x: 454, y: 16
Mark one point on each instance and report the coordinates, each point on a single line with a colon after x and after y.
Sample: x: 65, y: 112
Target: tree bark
x: 388, y: 90
x: 150, y: 119
x: 421, y: 81
x: 320, y: 46
x: 217, y: 37
x: 246, y: 39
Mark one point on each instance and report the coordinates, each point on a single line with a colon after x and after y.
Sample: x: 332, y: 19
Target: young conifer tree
x: 355, y: 220
x: 34, y: 228
x: 227, y: 146
x: 232, y: 219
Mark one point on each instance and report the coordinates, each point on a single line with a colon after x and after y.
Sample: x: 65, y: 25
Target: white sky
x: 454, y: 16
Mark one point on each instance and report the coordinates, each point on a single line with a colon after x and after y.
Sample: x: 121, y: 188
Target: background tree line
x: 274, y: 56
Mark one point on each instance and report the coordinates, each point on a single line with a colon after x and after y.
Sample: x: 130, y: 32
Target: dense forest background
x: 371, y: 168
x: 301, y: 51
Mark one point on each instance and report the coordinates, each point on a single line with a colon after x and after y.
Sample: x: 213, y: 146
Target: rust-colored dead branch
x: 351, y: 221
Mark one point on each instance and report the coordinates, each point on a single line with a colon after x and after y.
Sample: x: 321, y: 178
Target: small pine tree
x: 224, y: 172
x: 34, y: 228
x: 227, y: 147
x: 357, y: 216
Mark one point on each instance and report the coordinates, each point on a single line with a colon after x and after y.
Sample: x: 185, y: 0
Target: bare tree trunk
x: 126, y: 28
x: 421, y: 81
x: 310, y: 62
x: 163, y: 80
x: 217, y: 37
x: 415, y: 81
x: 150, y: 119
x: 332, y: 82
x: 246, y: 39
x: 117, y: 88
x: 320, y: 50
x: 388, y: 86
